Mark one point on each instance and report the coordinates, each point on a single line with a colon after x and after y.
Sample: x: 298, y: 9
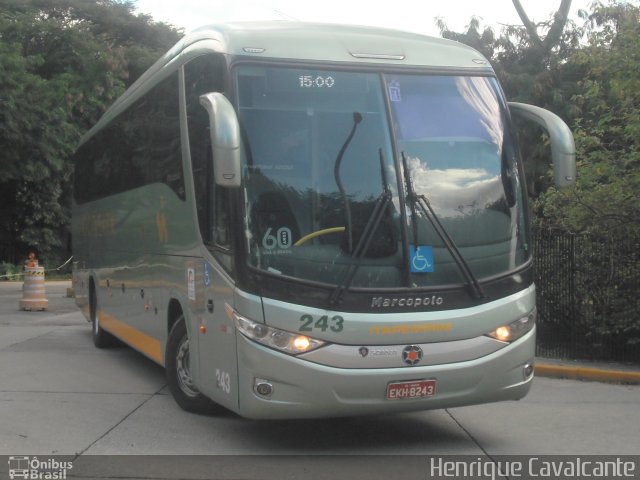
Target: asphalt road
x: 61, y: 396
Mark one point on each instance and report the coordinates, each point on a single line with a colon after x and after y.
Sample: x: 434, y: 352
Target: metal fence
x: 588, y: 295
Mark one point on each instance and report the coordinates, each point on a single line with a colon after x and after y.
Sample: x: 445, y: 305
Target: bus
x: 307, y: 220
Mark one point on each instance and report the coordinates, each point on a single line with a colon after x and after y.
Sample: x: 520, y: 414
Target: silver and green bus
x: 303, y: 220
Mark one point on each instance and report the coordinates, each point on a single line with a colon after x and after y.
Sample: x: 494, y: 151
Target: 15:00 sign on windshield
x: 311, y: 81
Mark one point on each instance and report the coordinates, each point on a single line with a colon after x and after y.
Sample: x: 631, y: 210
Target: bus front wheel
x: 178, y: 370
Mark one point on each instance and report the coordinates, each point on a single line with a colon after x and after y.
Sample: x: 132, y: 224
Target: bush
x: 10, y: 272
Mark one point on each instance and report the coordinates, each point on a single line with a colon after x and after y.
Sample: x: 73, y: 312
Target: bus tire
x: 101, y: 338
x: 178, y: 371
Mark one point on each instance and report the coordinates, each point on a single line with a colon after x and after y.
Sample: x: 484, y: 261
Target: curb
x: 584, y: 373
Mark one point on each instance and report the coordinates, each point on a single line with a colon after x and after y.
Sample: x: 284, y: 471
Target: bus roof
x: 338, y: 43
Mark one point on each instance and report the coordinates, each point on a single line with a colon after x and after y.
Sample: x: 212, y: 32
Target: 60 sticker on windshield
x: 324, y: 323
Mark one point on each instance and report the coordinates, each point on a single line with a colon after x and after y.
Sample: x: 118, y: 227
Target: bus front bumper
x: 303, y: 389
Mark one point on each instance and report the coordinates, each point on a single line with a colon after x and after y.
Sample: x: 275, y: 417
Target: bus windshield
x: 329, y: 157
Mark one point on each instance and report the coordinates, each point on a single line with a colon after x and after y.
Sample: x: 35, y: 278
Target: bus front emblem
x: 411, y: 354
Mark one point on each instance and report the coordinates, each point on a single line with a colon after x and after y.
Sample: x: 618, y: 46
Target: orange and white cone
x: 33, y: 293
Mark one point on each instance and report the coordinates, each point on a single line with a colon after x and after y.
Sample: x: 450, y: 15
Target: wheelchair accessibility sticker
x: 421, y: 259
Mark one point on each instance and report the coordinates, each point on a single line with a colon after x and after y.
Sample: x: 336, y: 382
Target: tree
x: 606, y: 124
x: 484, y: 41
x: 62, y: 63
x: 555, y: 28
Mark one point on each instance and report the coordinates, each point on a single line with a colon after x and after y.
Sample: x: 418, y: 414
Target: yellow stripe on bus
x: 142, y: 342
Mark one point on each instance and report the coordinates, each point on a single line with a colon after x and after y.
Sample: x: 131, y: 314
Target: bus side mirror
x: 563, y: 150
x: 225, y: 138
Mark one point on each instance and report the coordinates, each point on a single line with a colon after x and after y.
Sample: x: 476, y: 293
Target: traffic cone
x: 33, y: 294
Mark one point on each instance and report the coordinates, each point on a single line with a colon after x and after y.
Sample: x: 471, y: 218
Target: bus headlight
x: 515, y: 330
x: 288, y: 342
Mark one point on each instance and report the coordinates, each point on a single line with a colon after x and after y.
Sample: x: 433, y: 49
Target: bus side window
x: 138, y: 148
x: 203, y: 75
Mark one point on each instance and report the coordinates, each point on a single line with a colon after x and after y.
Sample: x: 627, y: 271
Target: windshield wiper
x: 362, y: 246
x: 422, y: 203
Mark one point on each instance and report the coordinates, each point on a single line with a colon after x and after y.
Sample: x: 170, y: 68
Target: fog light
x: 527, y: 370
x: 263, y: 387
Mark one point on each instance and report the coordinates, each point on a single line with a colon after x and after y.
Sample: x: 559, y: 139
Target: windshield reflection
x: 456, y: 191
x: 481, y: 98
x: 461, y: 158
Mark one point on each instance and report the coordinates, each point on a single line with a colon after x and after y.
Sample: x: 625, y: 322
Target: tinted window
x: 140, y: 147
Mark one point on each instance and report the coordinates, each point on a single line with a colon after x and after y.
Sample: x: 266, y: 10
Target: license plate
x: 418, y: 389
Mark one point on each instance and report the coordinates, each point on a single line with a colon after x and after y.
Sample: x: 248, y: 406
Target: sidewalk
x: 585, y: 370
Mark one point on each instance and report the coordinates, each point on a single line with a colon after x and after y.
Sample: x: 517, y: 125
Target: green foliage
x: 606, y: 124
x: 62, y: 63
x: 484, y: 41
x: 10, y: 272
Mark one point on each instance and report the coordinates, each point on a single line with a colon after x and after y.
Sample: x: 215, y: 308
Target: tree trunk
x: 555, y: 31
